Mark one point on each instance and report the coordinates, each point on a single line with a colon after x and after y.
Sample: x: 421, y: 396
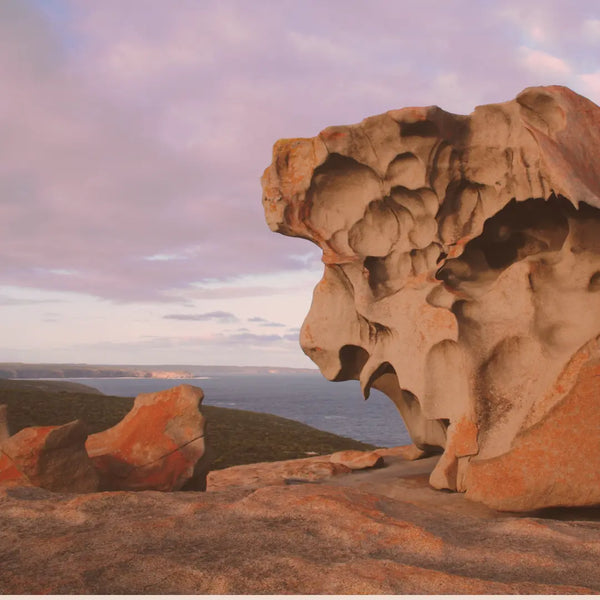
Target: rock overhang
x: 454, y: 248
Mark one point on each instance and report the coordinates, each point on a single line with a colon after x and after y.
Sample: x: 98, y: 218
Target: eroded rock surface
x: 462, y: 279
x: 313, y: 469
x: 159, y: 445
x: 53, y: 458
x: 377, y: 531
x: 357, y: 460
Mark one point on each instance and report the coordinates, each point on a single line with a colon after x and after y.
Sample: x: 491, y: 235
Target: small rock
x: 409, y: 452
x: 356, y: 459
x: 4, y: 435
x: 9, y: 474
x: 307, y: 470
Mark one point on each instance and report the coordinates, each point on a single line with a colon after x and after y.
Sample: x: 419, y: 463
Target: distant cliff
x: 51, y: 370
x: 26, y: 371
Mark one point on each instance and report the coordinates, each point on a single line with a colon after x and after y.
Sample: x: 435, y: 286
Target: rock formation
x: 53, y: 458
x: 377, y: 531
x: 297, y: 470
x: 159, y: 445
x: 303, y: 470
x: 462, y: 279
x: 357, y: 460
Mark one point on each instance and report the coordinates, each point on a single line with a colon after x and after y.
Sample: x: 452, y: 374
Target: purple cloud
x: 265, y: 322
x: 218, y: 315
x: 10, y: 301
x: 291, y: 336
x: 249, y: 338
x: 134, y: 136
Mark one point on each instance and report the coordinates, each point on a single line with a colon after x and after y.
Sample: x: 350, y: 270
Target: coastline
x: 164, y: 371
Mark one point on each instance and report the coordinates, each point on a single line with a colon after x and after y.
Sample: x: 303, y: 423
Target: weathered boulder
x: 53, y: 458
x: 159, y: 445
x: 461, y: 278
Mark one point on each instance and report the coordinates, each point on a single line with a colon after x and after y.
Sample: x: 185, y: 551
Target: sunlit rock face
x: 159, y: 445
x: 462, y: 279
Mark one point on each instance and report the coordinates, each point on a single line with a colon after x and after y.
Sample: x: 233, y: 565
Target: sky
x: 133, y: 135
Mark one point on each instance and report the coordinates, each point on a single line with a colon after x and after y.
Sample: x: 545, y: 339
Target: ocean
x: 306, y: 397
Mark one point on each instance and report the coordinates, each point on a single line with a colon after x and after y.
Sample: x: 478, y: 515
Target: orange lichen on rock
x: 50, y: 457
x: 158, y: 445
x: 545, y: 465
x: 9, y: 473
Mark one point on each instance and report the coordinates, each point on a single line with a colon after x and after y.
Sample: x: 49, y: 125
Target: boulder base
x: 53, y: 458
x: 526, y: 478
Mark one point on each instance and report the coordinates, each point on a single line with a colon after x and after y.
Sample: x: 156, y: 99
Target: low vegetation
x: 46, y: 386
x: 236, y: 437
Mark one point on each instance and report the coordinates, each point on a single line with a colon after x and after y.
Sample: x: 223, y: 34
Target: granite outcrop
x: 53, y: 458
x: 159, y: 445
x: 461, y: 278
x: 373, y: 531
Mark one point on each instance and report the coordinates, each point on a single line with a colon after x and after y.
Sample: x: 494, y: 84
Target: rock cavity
x: 462, y: 278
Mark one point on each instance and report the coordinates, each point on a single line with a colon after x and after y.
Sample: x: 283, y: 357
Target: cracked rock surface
x: 462, y: 278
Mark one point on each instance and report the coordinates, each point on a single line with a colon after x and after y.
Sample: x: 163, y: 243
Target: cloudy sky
x: 134, y: 134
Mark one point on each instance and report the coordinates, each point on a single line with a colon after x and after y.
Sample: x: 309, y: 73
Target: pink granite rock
x: 159, y: 445
x: 53, y: 458
x: 408, y: 452
x: 375, y: 531
x: 318, y: 468
x: 357, y: 460
x: 461, y: 278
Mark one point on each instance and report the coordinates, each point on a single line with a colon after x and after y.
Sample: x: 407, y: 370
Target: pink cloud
x: 217, y: 315
x: 543, y: 63
x: 139, y: 130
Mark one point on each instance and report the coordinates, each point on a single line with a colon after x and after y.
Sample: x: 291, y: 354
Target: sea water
x: 306, y: 397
